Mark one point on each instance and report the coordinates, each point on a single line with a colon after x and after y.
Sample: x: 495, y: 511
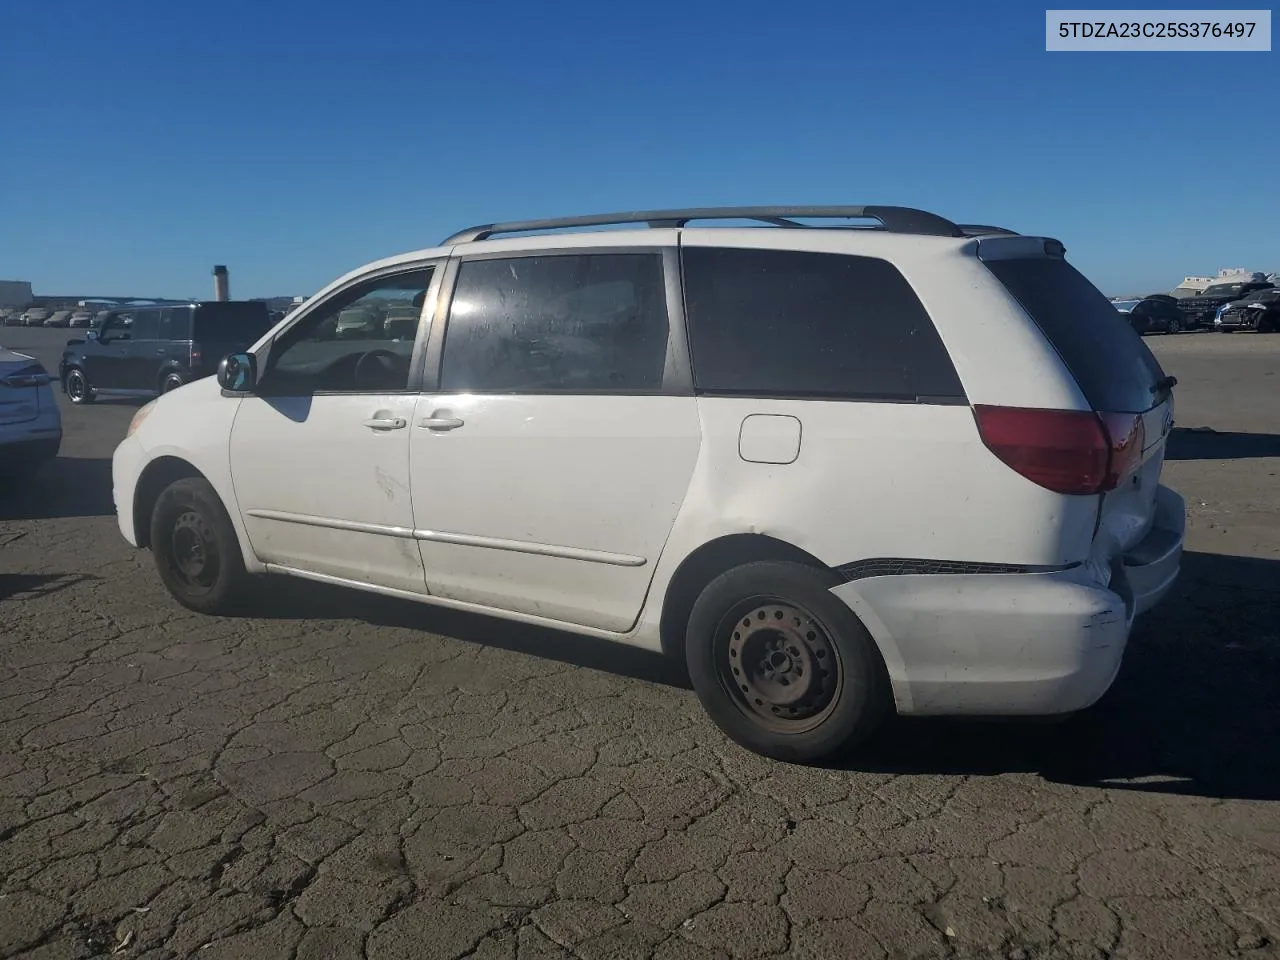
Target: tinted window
x: 146, y: 325
x: 794, y: 324
x: 558, y: 324
x: 175, y: 324
x: 352, y: 343
x: 1114, y: 368
x: 236, y: 323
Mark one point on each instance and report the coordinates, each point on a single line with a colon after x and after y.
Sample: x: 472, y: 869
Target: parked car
x: 1202, y: 310
x: 30, y: 424
x: 81, y: 318
x: 755, y: 449
x: 35, y: 317
x: 143, y: 351
x: 1156, y: 313
x: 1259, y: 312
x: 59, y: 318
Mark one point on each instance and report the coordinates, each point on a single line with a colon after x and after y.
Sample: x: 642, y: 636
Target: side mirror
x: 238, y: 372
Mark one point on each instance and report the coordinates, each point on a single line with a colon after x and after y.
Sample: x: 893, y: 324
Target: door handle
x: 440, y: 423
x: 385, y: 423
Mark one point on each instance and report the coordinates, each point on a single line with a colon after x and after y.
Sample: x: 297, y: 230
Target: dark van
x: 147, y: 350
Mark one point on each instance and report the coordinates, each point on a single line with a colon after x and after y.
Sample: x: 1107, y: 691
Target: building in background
x: 15, y: 293
x: 1194, y: 286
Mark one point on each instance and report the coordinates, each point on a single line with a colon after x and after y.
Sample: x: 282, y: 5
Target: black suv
x: 1200, y: 311
x: 143, y: 351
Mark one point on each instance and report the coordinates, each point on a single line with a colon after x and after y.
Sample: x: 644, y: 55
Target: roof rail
x: 983, y: 230
x: 893, y: 219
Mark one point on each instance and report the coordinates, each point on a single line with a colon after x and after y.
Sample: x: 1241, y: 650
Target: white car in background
x: 30, y: 424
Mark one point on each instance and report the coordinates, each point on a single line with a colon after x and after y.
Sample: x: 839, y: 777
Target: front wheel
x: 77, y: 387
x: 196, y: 549
x: 782, y: 666
x: 1175, y: 325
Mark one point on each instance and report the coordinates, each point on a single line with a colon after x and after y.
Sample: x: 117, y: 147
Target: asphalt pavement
x: 348, y: 776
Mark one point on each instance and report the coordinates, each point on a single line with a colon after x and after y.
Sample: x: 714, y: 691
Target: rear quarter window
x: 1114, y: 369
x: 241, y: 323
x: 781, y: 323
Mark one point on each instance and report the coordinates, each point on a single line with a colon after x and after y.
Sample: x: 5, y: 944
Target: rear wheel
x: 196, y: 549
x: 782, y: 666
x: 170, y: 382
x: 77, y: 387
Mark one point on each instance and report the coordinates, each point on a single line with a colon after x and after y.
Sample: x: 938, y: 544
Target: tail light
x: 196, y: 356
x: 32, y: 376
x: 1065, y: 451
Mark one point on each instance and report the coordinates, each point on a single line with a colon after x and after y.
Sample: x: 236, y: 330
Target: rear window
x: 242, y: 323
x: 1114, y: 368
x: 780, y: 323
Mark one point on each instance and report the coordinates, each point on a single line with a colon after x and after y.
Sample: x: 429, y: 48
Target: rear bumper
x: 33, y: 441
x: 1015, y: 644
x: 1146, y: 573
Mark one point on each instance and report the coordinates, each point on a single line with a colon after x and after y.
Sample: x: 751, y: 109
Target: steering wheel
x: 385, y: 360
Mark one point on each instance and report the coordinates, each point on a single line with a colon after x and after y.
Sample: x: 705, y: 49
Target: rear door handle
x: 385, y: 423
x: 440, y: 423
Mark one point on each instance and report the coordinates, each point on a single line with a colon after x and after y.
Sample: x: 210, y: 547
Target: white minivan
x: 842, y: 461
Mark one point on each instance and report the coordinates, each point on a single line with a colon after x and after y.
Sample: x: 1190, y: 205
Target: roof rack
x: 983, y: 230
x: 892, y: 219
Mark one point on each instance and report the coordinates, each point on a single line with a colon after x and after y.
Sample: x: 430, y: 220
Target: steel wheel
x: 780, y: 665
x: 194, y: 551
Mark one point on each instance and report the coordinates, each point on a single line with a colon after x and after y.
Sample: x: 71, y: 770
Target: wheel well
x: 158, y: 474
x: 708, y: 562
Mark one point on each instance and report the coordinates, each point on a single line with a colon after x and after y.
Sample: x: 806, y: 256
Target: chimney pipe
x: 221, y: 286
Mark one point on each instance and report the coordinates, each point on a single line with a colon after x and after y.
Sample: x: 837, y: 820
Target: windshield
x: 1224, y: 290
x: 1124, y: 306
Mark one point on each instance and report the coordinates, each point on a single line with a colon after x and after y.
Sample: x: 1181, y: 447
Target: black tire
x: 196, y: 550
x: 170, y: 382
x: 1175, y: 325
x: 799, y: 630
x: 77, y: 387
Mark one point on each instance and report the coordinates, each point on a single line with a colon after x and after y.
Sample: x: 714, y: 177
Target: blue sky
x: 145, y: 141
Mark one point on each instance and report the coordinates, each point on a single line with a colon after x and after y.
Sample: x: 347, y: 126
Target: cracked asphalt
x: 347, y: 776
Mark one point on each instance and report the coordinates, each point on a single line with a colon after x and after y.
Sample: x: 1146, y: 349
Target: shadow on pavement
x: 67, y: 487
x: 1207, y: 444
x: 31, y: 586
x: 1194, y: 711
x: 291, y: 599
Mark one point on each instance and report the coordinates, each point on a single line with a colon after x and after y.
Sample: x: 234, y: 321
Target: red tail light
x: 1065, y: 451
x: 196, y: 356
